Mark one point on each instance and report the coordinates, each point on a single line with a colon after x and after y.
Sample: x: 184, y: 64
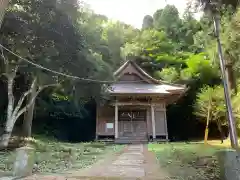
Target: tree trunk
x: 230, y: 77
x: 6, y: 135
x: 28, y: 115
x: 10, y: 120
x: 5, y: 138
x: 231, y: 80
x: 3, y: 6
x: 208, y: 118
x: 220, y: 130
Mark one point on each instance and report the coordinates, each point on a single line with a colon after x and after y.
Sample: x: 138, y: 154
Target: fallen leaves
x: 53, y: 156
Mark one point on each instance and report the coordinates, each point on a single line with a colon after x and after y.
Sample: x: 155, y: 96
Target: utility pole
x: 3, y: 6
x: 231, y: 119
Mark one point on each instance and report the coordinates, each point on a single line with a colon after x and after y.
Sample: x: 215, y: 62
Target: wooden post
x: 97, y: 114
x: 147, y: 122
x: 116, y: 121
x: 165, y: 120
x: 153, y: 122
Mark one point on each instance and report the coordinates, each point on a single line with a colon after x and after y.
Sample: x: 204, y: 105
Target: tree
x: 168, y: 20
x: 214, y: 106
x: 47, y: 36
x: 147, y: 22
x: 204, y: 4
x: 226, y: 10
x: 189, y: 27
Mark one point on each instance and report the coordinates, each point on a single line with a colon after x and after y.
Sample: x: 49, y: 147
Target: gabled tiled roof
x: 151, y: 87
x: 144, y: 89
x: 144, y: 73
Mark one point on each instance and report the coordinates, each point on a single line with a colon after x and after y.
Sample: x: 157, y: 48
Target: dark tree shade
x: 206, y: 3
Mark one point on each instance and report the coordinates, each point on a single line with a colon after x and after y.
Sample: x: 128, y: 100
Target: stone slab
x: 129, y: 163
x: 229, y: 161
x: 126, y: 171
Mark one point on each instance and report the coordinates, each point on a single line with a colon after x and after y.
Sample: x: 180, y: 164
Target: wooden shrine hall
x: 137, y: 109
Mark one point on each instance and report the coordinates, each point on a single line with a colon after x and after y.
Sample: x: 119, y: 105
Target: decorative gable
x: 130, y: 77
x: 130, y: 72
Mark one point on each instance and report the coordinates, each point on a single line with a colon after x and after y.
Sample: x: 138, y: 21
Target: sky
x: 132, y: 11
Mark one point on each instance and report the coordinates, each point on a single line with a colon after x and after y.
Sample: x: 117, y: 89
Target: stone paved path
x: 135, y: 162
x: 129, y: 164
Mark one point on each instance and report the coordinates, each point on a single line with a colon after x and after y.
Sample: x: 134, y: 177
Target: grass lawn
x: 226, y: 143
x: 59, y: 157
x: 188, y: 161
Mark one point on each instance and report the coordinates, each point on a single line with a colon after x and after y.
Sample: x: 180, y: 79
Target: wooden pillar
x: 148, y: 122
x: 116, y: 121
x: 153, y: 122
x: 165, y: 120
x: 97, y: 114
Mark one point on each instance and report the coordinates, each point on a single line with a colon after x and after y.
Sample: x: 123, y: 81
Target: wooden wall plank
x: 105, y: 115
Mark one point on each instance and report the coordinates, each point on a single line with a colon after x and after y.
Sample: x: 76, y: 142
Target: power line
x: 60, y: 73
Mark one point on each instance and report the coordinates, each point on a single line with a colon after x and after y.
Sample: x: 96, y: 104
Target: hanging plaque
x: 109, y: 125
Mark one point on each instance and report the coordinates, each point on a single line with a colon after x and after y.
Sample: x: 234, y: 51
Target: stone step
x: 131, y: 141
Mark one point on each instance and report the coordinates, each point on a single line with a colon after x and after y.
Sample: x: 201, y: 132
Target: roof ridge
x: 121, y: 68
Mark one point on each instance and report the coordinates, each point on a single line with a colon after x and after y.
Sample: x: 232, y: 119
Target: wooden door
x: 132, y: 124
x: 139, y: 128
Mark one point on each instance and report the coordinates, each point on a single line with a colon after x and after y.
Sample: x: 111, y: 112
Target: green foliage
x: 230, y: 39
x: 148, y: 42
x: 163, y: 17
x: 236, y: 109
x: 115, y: 35
x: 180, y: 31
x: 213, y: 97
x: 198, y: 66
x: 205, y: 4
x: 168, y: 74
x: 55, y: 36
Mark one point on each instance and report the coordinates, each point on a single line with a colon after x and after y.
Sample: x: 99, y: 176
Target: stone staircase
x: 132, y: 140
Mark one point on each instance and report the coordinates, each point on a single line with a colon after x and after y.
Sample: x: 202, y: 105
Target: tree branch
x: 24, y: 109
x: 23, y: 97
x: 4, y: 58
x: 10, y: 82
